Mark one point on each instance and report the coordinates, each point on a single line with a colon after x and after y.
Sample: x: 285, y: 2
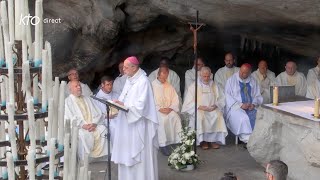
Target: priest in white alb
x: 211, y: 128
x: 224, y: 73
x: 313, y: 78
x: 119, y: 82
x: 73, y: 75
x: 242, y: 98
x: 135, y: 144
x: 106, y: 92
x: 89, y: 119
x: 265, y: 79
x: 190, y: 74
x: 167, y: 105
x: 291, y: 77
x: 173, y: 77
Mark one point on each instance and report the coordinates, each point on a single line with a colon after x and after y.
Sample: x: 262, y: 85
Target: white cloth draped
x: 173, y: 79
x: 118, y: 84
x: 165, y: 96
x: 313, y: 81
x: 89, y: 142
x: 298, y: 80
x: 86, y: 91
x: 237, y: 119
x: 210, y: 125
x: 135, y: 141
x: 265, y: 83
x: 111, y: 96
x: 223, y: 74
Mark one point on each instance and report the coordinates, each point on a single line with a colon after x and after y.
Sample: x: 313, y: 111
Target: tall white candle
x: 55, y: 105
x: 1, y: 49
x: 31, y: 164
x: 6, y: 82
x: 61, y: 112
x: 11, y: 20
x: 18, y: 13
x: 26, y: 82
x: 41, y: 24
x: 10, y: 73
x: 52, y: 158
x: 38, y: 47
x: 42, y: 130
x: 49, y: 68
x: 35, y: 82
x: 12, y: 130
x: 66, y: 156
x: 86, y: 166
x: 2, y: 149
x: 50, y: 118
x: 74, y: 145
x: 32, y: 126
x: 24, y: 51
x: 28, y: 25
x: 10, y: 164
x: 5, y: 24
x: 3, y: 90
x: 44, y: 81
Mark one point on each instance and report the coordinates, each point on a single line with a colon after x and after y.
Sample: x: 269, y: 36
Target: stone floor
x: 214, y: 163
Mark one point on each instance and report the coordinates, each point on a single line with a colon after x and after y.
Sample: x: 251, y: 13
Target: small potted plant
x: 183, y: 157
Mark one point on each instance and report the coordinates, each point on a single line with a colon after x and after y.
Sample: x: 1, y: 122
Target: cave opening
x: 171, y: 37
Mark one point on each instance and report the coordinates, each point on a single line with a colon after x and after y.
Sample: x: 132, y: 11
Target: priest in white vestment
x: 119, y: 82
x: 313, y: 78
x: 291, y: 77
x: 190, y: 74
x: 89, y: 119
x: 167, y: 105
x: 106, y: 92
x: 73, y: 75
x: 242, y: 98
x: 265, y: 79
x: 211, y: 128
x: 224, y: 73
x: 173, y: 77
x: 135, y: 144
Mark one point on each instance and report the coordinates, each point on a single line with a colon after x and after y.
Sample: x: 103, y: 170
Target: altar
x: 288, y: 132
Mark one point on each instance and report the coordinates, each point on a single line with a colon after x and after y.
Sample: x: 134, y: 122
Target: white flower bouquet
x: 184, y: 154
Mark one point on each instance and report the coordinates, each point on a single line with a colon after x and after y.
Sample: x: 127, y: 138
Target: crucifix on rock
x: 194, y: 27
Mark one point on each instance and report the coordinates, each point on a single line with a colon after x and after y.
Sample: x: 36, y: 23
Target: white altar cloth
x: 303, y: 109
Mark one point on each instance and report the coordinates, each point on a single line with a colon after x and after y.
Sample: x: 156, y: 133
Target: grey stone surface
x: 215, y: 163
x: 292, y: 139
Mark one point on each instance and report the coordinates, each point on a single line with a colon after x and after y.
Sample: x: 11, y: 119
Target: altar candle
x: 26, y: 84
x: 74, y: 145
x: 3, y: 90
x: 275, y: 96
x: 11, y: 129
x: 44, y: 81
x: 31, y: 164
x: 86, y: 166
x: 35, y: 82
x: 28, y: 25
x: 24, y: 51
x: 61, y: 112
x: 316, y: 107
x: 32, y: 127
x: 55, y: 105
x: 10, y: 165
x: 2, y: 149
x: 10, y: 73
x: 11, y: 20
x: 5, y: 24
x: 50, y: 118
x: 52, y: 148
x: 38, y: 47
x: 66, y: 155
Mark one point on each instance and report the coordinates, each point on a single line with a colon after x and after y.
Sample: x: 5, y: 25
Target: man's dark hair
x: 106, y: 78
x: 278, y: 169
x: 229, y: 176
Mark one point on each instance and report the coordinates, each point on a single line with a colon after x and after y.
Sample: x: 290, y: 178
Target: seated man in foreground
x: 89, y: 118
x: 211, y: 127
x: 242, y: 97
x: 167, y: 105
